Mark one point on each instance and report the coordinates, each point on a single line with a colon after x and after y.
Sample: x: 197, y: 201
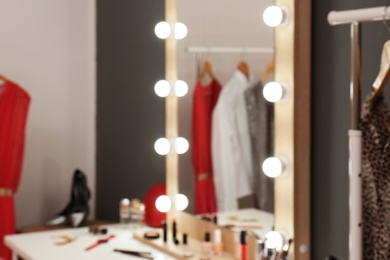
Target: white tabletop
x: 42, y: 245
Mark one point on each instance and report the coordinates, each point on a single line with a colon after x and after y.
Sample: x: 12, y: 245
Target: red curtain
x: 204, y: 100
x: 14, y: 104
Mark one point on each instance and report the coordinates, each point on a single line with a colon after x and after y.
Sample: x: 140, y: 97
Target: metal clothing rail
x: 199, y: 50
x: 202, y: 49
x: 354, y: 18
x: 359, y: 15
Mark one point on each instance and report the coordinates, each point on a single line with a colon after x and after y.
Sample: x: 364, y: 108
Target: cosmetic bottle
x: 217, y: 245
x: 206, y: 245
x: 284, y: 252
x: 243, y: 245
x: 264, y: 253
x: 165, y: 235
x: 124, y: 211
x: 174, y: 232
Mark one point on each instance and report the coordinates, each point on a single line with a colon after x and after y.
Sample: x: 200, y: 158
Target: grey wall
x: 330, y: 119
x: 130, y: 117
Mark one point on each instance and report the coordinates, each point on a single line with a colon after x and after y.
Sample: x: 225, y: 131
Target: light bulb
x: 274, y: 166
x: 162, y: 30
x: 163, y: 203
x: 181, y: 202
x: 181, y: 145
x: 162, y: 146
x: 165, y: 30
x: 274, y: 240
x: 275, y: 91
x: 180, y: 31
x: 162, y: 88
x: 181, y: 88
x: 274, y: 16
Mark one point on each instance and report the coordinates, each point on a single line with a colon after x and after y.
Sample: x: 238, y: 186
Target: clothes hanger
x: 243, y: 67
x: 270, y: 69
x: 384, y: 72
x: 3, y: 79
x: 207, y: 70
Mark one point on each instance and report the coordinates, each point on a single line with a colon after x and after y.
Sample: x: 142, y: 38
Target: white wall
x: 217, y: 23
x: 48, y: 47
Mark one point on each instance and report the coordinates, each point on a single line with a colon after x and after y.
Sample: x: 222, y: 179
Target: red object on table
x: 100, y: 241
x: 14, y: 104
x: 153, y: 217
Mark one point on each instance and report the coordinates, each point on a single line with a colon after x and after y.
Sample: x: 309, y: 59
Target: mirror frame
x: 292, y: 121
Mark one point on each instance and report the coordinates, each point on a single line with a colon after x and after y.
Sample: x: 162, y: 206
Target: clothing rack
x: 355, y: 18
x: 199, y: 50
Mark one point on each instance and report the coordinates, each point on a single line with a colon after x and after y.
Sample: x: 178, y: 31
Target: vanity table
x: 42, y: 245
x: 47, y: 244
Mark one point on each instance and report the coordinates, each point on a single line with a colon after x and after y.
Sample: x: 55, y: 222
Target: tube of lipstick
x: 174, y: 233
x: 243, y: 245
x: 164, y: 224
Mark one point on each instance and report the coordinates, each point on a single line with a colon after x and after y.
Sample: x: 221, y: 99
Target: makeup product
x: 285, y: 249
x: 151, y: 235
x: 243, y: 226
x: 124, y: 211
x: 264, y: 255
x: 259, y: 249
x: 174, y: 231
x: 274, y: 254
x: 188, y: 254
x: 146, y: 255
x: 217, y: 245
x: 100, y: 241
x: 97, y: 230
x: 243, y: 245
x: 165, y: 232
x: 206, y: 245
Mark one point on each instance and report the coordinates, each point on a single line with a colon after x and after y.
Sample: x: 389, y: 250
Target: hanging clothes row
x: 231, y: 128
x: 375, y: 127
x: 369, y: 180
x: 14, y: 104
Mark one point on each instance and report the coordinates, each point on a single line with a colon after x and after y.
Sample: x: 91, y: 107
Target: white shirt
x: 230, y: 144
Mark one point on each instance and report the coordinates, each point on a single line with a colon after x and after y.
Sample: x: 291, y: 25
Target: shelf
x: 178, y: 251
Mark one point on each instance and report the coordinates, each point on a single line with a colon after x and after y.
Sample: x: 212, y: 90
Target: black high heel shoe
x: 80, y: 208
x: 77, y: 210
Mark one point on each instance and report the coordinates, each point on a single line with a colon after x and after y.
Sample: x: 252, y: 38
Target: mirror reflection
x: 226, y: 58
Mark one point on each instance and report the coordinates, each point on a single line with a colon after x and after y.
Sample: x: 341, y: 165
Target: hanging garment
x: 261, y: 131
x: 14, y: 103
x: 230, y: 144
x: 204, y: 100
x: 375, y: 126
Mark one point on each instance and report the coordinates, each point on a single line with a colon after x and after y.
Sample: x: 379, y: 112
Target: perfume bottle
x: 217, y: 245
x: 124, y: 211
x: 206, y: 245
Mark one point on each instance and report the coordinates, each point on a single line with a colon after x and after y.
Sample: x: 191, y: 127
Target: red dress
x: 205, y: 99
x: 14, y: 103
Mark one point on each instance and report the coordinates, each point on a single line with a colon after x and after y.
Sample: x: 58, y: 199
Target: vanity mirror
x: 291, y: 118
x: 219, y: 48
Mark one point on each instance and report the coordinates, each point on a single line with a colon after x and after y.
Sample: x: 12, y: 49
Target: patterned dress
x: 375, y: 125
x: 261, y: 131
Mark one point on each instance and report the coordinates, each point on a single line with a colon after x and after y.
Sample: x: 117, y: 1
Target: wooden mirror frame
x: 292, y: 121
